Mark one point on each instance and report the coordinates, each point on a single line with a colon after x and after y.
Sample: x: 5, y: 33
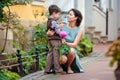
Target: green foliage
x: 28, y: 59
x: 7, y: 3
x: 16, y: 45
x: 85, y: 46
x: 40, y: 37
x: 3, y: 3
x: 40, y: 42
x: 21, y: 1
x: 42, y: 61
x: 2, y: 76
x: 114, y: 52
x: 15, y: 27
x: 10, y: 75
x: 12, y: 55
x: 41, y: 46
x: 63, y: 49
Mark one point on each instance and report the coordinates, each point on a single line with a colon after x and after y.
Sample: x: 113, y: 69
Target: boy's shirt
x: 53, y: 25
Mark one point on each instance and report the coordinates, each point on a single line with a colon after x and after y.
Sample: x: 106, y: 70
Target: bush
x: 85, y: 46
x: 8, y: 75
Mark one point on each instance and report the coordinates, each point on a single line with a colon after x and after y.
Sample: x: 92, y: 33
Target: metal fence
x: 20, y: 62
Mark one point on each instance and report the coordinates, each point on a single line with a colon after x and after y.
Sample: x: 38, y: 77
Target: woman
x: 70, y: 61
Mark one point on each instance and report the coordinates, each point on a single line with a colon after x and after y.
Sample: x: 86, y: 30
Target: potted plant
x: 114, y: 52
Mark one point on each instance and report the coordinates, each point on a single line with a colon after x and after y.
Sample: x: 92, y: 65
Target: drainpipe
x: 107, y: 16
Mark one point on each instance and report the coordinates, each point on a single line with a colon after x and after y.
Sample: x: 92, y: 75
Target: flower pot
x: 117, y: 74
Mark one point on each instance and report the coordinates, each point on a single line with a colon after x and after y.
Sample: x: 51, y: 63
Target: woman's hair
x: 77, y: 14
x: 53, y: 8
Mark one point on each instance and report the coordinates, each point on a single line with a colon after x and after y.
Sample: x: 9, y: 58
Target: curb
x: 35, y: 74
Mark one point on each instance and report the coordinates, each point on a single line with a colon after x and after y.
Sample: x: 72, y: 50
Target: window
x: 38, y: 2
x: 97, y: 0
x: 110, y: 4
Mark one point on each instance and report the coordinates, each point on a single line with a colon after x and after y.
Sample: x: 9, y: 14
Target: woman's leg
x: 70, y: 57
x: 64, y: 59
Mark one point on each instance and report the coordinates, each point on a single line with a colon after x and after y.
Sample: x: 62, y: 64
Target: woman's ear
x: 76, y: 18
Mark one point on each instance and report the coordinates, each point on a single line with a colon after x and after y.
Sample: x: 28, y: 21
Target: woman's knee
x: 71, y: 55
x: 64, y: 59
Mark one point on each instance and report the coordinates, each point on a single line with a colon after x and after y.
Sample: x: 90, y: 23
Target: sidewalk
x: 96, y: 71
x: 96, y: 67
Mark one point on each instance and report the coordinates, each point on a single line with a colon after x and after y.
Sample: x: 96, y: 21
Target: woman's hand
x: 50, y: 32
x: 61, y: 25
x: 63, y: 41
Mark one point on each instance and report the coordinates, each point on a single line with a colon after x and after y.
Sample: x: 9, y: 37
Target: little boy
x: 54, y: 41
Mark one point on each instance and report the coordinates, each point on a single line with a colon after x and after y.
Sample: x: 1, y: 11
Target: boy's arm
x: 56, y: 27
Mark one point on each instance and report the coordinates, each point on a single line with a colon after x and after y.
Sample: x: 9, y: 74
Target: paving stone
x: 95, y: 58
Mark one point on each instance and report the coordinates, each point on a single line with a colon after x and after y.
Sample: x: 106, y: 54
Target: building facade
x: 30, y: 15
x: 101, y: 14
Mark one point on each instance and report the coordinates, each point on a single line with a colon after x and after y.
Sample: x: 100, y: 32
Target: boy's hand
x: 61, y: 24
x: 50, y: 33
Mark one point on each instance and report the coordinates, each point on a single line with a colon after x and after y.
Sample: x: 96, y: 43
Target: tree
x: 7, y: 3
x: 3, y: 3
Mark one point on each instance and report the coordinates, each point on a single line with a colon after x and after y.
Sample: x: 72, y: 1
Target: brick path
x: 96, y: 67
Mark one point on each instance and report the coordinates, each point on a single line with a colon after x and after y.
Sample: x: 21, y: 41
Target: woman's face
x: 71, y: 16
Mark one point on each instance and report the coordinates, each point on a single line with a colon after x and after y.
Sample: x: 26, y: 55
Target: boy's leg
x: 49, y: 60
x: 56, y: 56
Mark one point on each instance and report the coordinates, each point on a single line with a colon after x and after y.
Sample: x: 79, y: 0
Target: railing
x: 106, y: 16
x: 99, y: 9
x: 20, y: 63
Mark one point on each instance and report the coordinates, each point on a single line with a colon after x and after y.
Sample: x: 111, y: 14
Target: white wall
x: 99, y: 21
x: 112, y: 26
x: 81, y: 7
x: 65, y: 5
x: 119, y: 13
x: 103, y: 5
x: 88, y: 13
x: 10, y: 34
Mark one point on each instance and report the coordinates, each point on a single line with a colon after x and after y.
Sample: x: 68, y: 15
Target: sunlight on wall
x: 28, y: 12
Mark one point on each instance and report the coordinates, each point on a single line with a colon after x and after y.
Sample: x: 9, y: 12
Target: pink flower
x: 63, y: 34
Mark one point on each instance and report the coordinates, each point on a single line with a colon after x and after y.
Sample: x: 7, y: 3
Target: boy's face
x: 56, y: 15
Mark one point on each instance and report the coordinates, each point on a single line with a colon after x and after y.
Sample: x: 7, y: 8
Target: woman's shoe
x: 70, y: 72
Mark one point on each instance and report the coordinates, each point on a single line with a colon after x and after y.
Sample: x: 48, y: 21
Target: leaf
x: 11, y: 75
x: 86, y: 45
x: 112, y: 62
x: 64, y: 49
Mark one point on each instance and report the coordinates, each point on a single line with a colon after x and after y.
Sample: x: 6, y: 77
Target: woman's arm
x: 77, y: 39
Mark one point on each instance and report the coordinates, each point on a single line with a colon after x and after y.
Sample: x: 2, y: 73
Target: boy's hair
x: 54, y: 8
